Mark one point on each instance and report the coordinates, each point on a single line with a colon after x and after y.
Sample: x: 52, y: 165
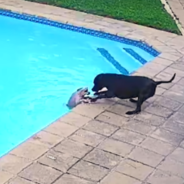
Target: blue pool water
x: 40, y: 66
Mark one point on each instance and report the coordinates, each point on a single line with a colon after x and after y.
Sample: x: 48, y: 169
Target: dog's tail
x: 160, y: 82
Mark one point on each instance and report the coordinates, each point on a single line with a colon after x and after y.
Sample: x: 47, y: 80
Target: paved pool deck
x: 177, y: 7
x: 98, y: 143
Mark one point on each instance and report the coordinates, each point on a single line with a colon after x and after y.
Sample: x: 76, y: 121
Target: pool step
x: 111, y: 59
x: 135, y: 55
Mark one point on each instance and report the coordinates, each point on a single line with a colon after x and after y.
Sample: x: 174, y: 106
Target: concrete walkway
x: 177, y: 7
x: 99, y: 143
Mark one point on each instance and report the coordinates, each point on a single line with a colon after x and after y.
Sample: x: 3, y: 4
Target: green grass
x: 149, y: 13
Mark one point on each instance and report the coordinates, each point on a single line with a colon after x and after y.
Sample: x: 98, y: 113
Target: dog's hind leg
x: 144, y: 95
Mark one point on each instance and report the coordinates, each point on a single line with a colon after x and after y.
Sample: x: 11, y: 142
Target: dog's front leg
x: 102, y: 94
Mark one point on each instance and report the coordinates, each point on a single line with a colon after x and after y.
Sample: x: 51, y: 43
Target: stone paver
x: 167, y: 136
x: 139, y: 127
x: 172, y: 166
x: 134, y: 169
x: 128, y: 136
x: 100, y: 127
x: 13, y: 164
x: 146, y: 157
x: 157, y: 146
x: 57, y: 160
x: 150, y: 119
x: 146, y: 148
x: 29, y: 150
x: 40, y: 174
x: 177, y: 6
x: 103, y: 158
x: 118, y: 178
x: 159, y: 110
x: 45, y: 139
x: 112, y: 118
x: 5, y: 176
x: 73, y: 148
x: 69, y: 179
x: 177, y: 155
x: 88, y: 171
x: 116, y: 147
x: 164, y: 178
x: 87, y: 137
x: 19, y: 180
x: 61, y: 129
x: 74, y: 119
x: 168, y: 103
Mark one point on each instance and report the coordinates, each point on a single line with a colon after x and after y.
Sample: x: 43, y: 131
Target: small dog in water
x: 126, y: 87
x: 78, y: 97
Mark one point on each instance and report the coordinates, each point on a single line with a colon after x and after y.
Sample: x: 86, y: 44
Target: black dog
x: 126, y: 87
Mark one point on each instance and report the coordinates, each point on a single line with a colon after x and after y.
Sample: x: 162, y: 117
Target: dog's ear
x: 79, y: 89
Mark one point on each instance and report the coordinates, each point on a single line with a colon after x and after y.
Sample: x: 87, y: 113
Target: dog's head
x: 98, y: 83
x: 83, y: 91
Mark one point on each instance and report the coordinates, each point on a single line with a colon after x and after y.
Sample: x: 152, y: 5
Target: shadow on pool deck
x: 98, y: 143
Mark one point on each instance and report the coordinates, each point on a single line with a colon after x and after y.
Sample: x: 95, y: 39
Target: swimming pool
x: 42, y: 62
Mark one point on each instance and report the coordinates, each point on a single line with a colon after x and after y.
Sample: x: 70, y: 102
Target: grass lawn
x: 149, y: 13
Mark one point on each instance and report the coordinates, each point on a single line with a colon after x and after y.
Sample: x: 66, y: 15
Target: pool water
x: 41, y: 66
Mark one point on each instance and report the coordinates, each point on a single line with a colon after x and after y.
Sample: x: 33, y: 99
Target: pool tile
x: 70, y: 179
x: 100, y: 127
x: 61, y: 129
x: 88, y: 171
x: 40, y: 174
x: 73, y: 148
x: 58, y: 160
x: 87, y: 137
x: 13, y: 164
x: 29, y: 150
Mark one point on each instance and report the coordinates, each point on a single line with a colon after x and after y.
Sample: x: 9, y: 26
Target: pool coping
x: 170, y: 45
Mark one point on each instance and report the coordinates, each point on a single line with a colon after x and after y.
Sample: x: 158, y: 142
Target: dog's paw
x: 132, y: 112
